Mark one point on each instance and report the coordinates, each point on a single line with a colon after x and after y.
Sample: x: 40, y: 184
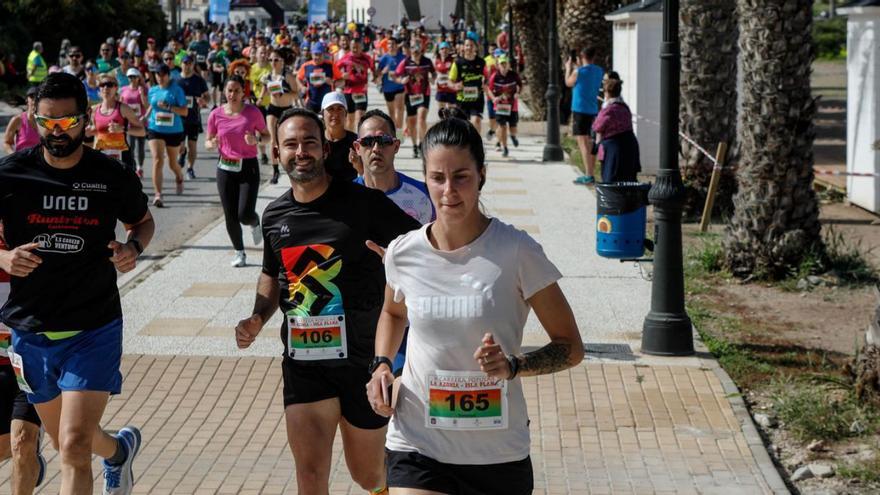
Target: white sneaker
x: 119, y: 479
x: 240, y: 259
x: 257, y: 233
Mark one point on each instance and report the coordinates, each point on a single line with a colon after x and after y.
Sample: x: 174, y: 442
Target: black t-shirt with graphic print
x: 72, y: 214
x: 318, y: 254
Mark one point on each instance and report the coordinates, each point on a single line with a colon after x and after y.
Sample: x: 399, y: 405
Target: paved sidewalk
x: 621, y: 422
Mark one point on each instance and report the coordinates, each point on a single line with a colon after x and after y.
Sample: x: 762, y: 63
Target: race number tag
x: 470, y: 92
x: 117, y: 154
x: 317, y: 78
x: 136, y: 108
x: 200, y: 59
x: 18, y: 367
x: 218, y: 67
x: 465, y: 400
x: 315, y: 338
x: 5, y: 341
x: 165, y: 119
x: 503, y: 109
x: 229, y: 164
x: 189, y: 101
x: 359, y: 98
x: 442, y: 79
x: 275, y: 87
x: 416, y: 100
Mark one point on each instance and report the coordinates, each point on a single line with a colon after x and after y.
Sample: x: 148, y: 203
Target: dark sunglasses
x: 75, y: 55
x: 167, y: 59
x: 107, y: 85
x: 381, y: 140
x: 276, y: 60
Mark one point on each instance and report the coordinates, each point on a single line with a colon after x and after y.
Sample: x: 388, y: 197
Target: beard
x: 310, y: 173
x: 62, y: 146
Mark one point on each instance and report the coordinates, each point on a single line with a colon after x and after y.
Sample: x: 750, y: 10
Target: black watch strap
x: 137, y: 245
x: 378, y: 361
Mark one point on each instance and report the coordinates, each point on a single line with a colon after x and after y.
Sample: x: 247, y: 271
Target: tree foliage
x: 86, y: 23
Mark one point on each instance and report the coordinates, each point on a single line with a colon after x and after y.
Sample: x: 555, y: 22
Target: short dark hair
x: 235, y: 79
x: 452, y: 113
x: 378, y: 114
x: 588, y: 52
x: 456, y: 133
x: 60, y: 86
x: 612, y: 86
x: 300, y: 112
x: 612, y: 74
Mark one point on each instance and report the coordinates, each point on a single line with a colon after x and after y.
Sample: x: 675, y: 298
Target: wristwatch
x: 380, y: 360
x: 137, y: 245
x: 514, y: 365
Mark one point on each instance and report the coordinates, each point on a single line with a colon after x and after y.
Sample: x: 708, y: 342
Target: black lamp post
x: 485, y: 27
x: 667, y: 329
x: 552, y: 149
x: 511, y: 52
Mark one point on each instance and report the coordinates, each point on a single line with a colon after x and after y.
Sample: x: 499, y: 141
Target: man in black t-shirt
x: 59, y: 204
x: 330, y: 286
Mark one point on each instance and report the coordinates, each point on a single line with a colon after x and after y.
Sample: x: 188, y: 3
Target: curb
x: 733, y: 395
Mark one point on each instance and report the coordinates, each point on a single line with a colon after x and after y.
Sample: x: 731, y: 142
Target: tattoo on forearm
x: 551, y: 358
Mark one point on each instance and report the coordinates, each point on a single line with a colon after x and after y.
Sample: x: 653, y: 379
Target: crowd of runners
x: 404, y: 303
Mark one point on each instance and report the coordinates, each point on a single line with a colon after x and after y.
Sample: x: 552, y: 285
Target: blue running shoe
x: 585, y: 180
x: 119, y: 478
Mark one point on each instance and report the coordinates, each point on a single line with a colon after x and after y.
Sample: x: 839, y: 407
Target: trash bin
x: 621, y: 218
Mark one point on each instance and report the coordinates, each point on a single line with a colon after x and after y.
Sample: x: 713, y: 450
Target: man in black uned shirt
x: 59, y: 204
x: 330, y: 286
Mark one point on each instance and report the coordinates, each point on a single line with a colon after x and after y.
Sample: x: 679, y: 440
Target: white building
x: 863, y: 102
x: 637, y: 33
x: 384, y: 13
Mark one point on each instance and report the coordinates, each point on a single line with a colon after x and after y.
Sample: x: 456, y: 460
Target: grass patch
x: 570, y: 145
x: 817, y: 409
x: 867, y: 472
x: 839, y: 256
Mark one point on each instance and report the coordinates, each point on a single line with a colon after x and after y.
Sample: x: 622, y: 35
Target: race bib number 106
x: 315, y: 338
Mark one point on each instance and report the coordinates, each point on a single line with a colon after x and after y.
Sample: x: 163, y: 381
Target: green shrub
x: 829, y: 37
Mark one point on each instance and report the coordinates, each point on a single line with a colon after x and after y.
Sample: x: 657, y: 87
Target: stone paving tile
x: 215, y: 425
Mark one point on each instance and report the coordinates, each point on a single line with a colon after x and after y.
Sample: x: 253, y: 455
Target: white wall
x: 389, y: 12
x: 863, y: 107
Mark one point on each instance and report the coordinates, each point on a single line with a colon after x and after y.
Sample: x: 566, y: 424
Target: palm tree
x: 708, y: 97
x: 582, y: 23
x: 530, y: 22
x: 776, y: 213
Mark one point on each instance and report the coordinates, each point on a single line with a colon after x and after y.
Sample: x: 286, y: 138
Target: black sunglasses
x: 75, y: 55
x: 381, y: 140
x: 107, y: 85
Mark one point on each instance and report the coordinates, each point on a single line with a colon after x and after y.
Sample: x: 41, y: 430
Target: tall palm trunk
x: 530, y: 22
x: 708, y: 97
x: 776, y: 213
x: 582, y: 23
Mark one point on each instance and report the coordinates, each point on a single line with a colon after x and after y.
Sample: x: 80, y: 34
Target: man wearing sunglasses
x: 106, y: 62
x: 75, y: 65
x: 59, y: 204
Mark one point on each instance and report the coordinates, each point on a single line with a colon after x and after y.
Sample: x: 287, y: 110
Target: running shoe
x: 584, y: 180
x: 415, y: 151
x: 190, y: 173
x: 264, y: 160
x: 119, y: 478
x: 257, y: 233
x: 504, y: 152
x: 239, y: 260
x: 497, y: 146
x: 157, y: 201
x: 179, y: 185
x: 181, y: 157
x: 490, y: 134
x: 514, y: 140
x: 275, y: 175
x: 139, y: 172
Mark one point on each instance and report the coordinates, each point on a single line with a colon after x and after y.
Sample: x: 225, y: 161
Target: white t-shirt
x: 453, y: 298
x: 411, y: 196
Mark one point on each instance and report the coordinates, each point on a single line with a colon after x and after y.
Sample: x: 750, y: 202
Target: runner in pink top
x: 135, y: 96
x: 235, y: 129
x: 21, y: 132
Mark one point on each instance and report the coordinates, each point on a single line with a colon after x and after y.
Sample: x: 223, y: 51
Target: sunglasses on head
x: 63, y: 123
x: 381, y: 140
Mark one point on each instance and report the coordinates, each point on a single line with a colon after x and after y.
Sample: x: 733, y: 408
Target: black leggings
x: 238, y: 195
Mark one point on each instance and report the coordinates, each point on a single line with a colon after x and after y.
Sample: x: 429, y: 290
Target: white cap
x: 132, y: 72
x: 134, y: 34
x: 333, y: 98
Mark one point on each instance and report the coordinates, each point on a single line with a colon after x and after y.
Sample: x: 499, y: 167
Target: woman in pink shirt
x: 21, y: 132
x: 235, y: 129
x: 619, y: 148
x: 135, y: 96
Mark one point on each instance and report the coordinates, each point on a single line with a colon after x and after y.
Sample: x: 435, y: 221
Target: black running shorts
x: 170, y: 139
x: 308, y: 383
x: 581, y: 123
x: 416, y: 471
x: 13, y: 402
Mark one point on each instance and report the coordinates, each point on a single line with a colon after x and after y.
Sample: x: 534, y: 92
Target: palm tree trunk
x: 530, y: 20
x: 582, y: 23
x: 776, y: 213
x: 708, y: 98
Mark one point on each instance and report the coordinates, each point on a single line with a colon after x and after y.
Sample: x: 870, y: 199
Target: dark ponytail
x: 456, y: 133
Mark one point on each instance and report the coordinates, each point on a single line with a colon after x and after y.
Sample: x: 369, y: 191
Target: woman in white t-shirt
x: 466, y: 284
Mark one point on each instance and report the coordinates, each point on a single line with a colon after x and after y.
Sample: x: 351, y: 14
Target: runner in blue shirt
x: 392, y: 91
x: 165, y: 129
x: 586, y: 82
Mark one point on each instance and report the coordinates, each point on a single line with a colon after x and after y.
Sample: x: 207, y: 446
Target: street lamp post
x: 486, y: 27
x: 511, y: 52
x: 667, y: 329
x: 552, y: 149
